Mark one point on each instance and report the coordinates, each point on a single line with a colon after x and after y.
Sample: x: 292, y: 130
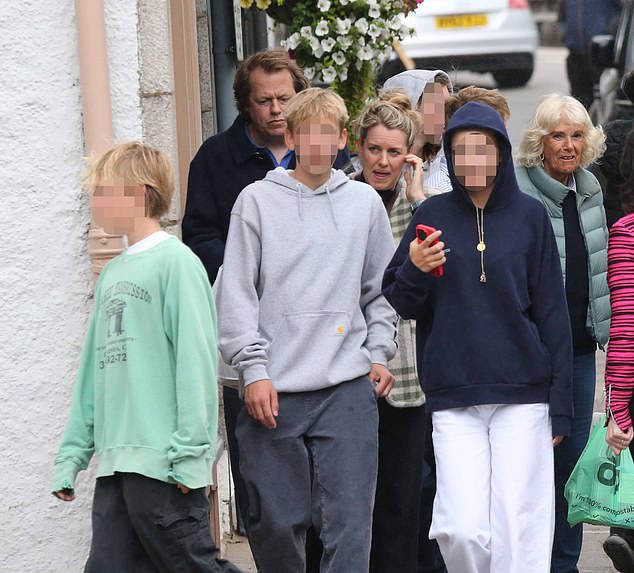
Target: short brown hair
x: 316, y: 103
x: 443, y: 79
x: 270, y: 61
x: 135, y: 163
x: 492, y: 98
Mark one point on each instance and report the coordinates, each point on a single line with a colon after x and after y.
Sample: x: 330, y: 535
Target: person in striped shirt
x: 619, y: 372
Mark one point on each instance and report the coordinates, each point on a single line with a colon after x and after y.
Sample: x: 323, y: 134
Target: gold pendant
x: 481, y: 246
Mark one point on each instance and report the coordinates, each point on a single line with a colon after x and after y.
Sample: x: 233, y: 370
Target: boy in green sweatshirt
x: 145, y: 398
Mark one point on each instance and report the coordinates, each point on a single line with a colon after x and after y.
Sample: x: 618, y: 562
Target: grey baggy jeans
x: 317, y: 467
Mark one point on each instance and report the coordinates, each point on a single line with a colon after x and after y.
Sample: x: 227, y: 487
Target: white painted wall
x: 45, y: 283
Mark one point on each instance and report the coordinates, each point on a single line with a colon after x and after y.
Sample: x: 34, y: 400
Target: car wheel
x: 513, y: 78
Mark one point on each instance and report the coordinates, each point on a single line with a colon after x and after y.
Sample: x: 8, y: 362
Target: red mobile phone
x: 422, y: 232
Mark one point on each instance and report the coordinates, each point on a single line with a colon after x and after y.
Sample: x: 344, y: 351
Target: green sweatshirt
x: 145, y: 398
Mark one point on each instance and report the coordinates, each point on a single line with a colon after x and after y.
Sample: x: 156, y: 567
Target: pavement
x: 593, y: 560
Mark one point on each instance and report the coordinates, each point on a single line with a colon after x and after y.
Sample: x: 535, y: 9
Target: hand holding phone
x: 422, y: 232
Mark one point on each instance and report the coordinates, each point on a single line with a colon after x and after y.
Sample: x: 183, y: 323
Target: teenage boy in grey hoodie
x: 302, y: 319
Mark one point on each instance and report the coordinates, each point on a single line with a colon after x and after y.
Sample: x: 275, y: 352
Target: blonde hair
x: 135, y: 163
x: 492, y: 98
x: 316, y: 103
x: 392, y: 109
x: 552, y: 110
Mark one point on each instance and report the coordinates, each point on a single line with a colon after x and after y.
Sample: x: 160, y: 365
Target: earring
x: 541, y: 158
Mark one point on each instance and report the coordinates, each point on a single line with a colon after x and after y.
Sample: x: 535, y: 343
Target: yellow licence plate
x: 461, y: 21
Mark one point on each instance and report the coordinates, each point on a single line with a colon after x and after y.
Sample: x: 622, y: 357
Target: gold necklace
x: 481, y: 246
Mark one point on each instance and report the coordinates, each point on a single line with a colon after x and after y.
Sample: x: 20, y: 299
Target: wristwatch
x: 415, y: 205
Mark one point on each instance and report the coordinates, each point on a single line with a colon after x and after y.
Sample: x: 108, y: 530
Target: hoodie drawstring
x: 300, y: 201
x: 332, y: 208
x: 481, y: 246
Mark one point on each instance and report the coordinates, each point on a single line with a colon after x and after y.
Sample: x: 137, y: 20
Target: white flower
x: 394, y: 23
x: 322, y: 28
x: 345, y: 41
x: 374, y: 31
x: 405, y: 31
x: 339, y: 58
x: 374, y: 11
x: 306, y: 32
x: 343, y: 74
x: 361, y: 42
x: 315, y: 46
x: 362, y: 25
x: 309, y: 73
x: 323, y: 5
x: 329, y: 74
x: 366, y: 53
x: 358, y: 64
x: 344, y: 2
x: 343, y: 26
x: 291, y: 42
x: 328, y: 44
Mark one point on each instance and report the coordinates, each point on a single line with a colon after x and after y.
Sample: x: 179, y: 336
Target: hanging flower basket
x: 342, y: 43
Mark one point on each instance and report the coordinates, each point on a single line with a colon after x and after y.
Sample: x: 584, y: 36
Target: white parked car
x: 497, y: 36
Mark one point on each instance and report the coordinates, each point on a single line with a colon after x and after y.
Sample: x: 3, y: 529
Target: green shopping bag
x: 601, y: 487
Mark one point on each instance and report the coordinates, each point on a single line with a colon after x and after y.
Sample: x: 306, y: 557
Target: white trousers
x: 494, y: 510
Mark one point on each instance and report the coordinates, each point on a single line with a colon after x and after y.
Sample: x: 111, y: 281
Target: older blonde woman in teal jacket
x: 558, y: 145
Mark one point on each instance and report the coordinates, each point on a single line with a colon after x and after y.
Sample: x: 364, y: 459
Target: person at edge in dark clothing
x: 607, y: 170
x: 583, y: 19
x: 224, y: 165
x: 558, y: 144
x: 494, y: 352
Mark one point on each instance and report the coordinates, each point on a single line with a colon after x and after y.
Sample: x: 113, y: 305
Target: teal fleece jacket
x: 300, y: 299
x: 145, y: 398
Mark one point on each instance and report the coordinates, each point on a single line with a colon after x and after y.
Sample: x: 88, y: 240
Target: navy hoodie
x: 505, y: 341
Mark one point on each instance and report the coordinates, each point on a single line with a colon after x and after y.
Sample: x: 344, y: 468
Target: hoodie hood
x: 476, y: 115
x: 283, y: 178
x: 413, y: 82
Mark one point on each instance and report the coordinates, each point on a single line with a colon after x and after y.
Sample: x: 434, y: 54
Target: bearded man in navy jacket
x: 224, y: 165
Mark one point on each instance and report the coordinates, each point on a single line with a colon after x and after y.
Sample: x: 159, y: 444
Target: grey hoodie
x: 299, y: 299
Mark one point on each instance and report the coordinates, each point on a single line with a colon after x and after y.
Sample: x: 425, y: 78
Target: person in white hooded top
x: 428, y: 90
x: 303, y: 321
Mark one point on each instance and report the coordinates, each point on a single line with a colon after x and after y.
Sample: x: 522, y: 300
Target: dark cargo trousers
x: 318, y: 467
x: 142, y: 525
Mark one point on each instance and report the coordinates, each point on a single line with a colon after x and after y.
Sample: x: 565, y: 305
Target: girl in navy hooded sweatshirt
x: 494, y: 352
